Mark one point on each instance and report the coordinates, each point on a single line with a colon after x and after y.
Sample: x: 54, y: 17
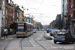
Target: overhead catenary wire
x: 41, y: 4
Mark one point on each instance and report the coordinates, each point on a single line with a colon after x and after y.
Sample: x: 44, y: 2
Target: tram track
x: 55, y: 46
x: 21, y: 44
x: 6, y: 46
x: 40, y: 45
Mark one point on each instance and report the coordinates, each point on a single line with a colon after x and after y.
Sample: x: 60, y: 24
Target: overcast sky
x: 44, y: 11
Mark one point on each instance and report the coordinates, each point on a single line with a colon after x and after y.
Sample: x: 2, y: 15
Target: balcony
x: 6, y: 5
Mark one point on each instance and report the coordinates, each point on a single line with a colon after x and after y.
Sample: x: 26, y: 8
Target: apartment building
x: 21, y: 14
x: 11, y: 13
x: 70, y: 15
x: 3, y: 13
x: 72, y: 18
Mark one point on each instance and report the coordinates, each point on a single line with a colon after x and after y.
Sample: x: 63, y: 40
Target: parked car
x: 12, y: 31
x: 63, y: 37
x: 52, y: 31
x: 34, y: 30
x: 5, y: 31
x: 42, y: 29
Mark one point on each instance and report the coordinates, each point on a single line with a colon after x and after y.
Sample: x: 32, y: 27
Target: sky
x: 43, y: 11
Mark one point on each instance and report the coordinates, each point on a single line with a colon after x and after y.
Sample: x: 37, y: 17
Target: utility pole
x: 0, y: 21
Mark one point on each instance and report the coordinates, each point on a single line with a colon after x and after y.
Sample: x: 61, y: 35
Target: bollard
x: 49, y: 33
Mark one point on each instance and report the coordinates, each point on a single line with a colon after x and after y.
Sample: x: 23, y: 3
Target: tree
x: 59, y: 24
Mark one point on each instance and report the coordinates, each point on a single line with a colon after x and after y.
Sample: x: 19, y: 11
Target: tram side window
x: 28, y: 27
x: 25, y: 27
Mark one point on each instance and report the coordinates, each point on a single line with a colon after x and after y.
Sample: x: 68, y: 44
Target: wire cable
x: 41, y: 4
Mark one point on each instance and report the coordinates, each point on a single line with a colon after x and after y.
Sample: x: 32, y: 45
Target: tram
x: 24, y: 29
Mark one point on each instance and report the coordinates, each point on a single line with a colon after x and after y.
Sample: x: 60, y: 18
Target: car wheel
x: 55, y: 42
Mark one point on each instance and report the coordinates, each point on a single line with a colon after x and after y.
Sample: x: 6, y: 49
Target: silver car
x: 34, y: 30
x: 63, y: 37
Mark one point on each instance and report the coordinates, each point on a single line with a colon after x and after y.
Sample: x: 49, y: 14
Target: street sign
x: 49, y: 33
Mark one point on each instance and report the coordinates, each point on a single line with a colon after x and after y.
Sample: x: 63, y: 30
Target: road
x: 33, y: 42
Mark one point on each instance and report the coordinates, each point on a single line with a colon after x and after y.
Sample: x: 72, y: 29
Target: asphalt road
x: 33, y: 42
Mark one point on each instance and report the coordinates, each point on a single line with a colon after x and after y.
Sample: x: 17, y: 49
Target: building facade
x: 72, y: 18
x: 16, y: 13
x: 64, y: 13
x: 28, y: 19
x: 70, y: 15
x: 21, y: 14
x: 3, y: 13
x: 11, y: 13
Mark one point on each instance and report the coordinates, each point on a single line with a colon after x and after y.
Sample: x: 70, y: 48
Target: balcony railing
x: 6, y: 5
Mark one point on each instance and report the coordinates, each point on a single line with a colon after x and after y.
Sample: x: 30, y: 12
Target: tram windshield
x: 20, y: 27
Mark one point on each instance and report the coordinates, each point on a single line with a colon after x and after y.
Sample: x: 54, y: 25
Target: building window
x: 17, y: 14
x: 6, y: 12
x: 67, y: 3
x: 13, y: 15
x: 6, y: 20
x: 10, y: 18
x: 3, y: 3
x: 25, y: 20
x: 71, y: 15
x: 67, y: 11
x: 3, y: 12
x: 11, y: 11
x: 72, y: 6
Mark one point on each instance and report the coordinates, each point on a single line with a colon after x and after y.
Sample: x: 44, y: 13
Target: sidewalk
x: 3, y: 38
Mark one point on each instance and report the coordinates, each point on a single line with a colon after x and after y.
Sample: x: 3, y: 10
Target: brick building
x: 71, y: 16
x: 6, y: 12
x: 17, y: 13
x: 11, y: 13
